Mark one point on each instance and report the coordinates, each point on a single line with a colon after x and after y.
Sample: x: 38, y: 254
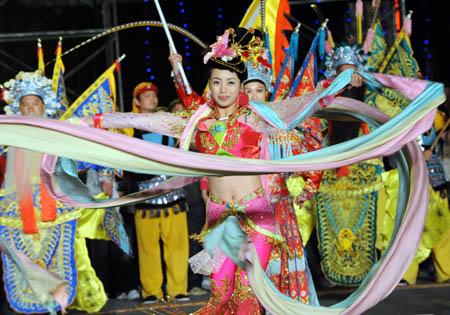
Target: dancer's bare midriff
x: 233, y: 188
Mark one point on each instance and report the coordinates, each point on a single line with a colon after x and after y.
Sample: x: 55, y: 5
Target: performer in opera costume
x: 347, y: 201
x: 31, y: 221
x: 47, y: 231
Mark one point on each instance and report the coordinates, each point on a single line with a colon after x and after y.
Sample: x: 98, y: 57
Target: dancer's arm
x: 312, y: 182
x: 291, y: 109
x: 190, y: 101
x: 162, y: 122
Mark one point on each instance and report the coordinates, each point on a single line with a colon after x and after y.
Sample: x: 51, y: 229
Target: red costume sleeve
x: 312, y: 139
x: 312, y: 182
x: 191, y: 101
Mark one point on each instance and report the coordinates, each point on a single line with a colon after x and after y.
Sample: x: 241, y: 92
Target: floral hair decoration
x: 227, y: 48
x: 220, y: 49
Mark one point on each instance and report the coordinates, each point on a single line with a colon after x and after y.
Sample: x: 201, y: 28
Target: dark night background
x: 23, y: 21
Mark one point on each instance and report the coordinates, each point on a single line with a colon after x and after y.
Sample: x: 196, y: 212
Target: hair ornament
x: 348, y: 53
x: 227, y: 47
x: 29, y: 83
x: 220, y: 49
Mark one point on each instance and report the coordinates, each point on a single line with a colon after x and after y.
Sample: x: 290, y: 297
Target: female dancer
x: 285, y: 275
x: 227, y: 125
x: 233, y: 129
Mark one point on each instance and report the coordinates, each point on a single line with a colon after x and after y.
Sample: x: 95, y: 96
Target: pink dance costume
x: 244, y: 135
x: 230, y: 290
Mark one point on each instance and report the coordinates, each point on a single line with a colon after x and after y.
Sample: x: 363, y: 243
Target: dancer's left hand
x: 427, y: 154
x: 300, y: 200
x: 357, y: 81
x: 107, y: 187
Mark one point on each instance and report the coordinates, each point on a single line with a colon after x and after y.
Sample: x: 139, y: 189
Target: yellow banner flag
x: 100, y: 97
x: 400, y: 60
x: 58, y: 85
x: 40, y: 55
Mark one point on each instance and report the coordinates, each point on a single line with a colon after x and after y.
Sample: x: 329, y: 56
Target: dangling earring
x: 242, y: 99
x: 211, y: 102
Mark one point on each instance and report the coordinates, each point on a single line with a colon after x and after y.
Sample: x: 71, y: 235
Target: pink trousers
x: 230, y: 290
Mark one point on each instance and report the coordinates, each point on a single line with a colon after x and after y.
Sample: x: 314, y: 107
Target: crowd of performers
x: 277, y: 170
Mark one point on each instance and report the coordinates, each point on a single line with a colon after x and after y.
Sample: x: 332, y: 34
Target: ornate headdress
x: 349, y: 53
x: 29, y: 83
x: 260, y: 69
x: 231, y: 49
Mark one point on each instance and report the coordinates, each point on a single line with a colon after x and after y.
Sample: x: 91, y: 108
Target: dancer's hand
x: 107, y: 188
x: 174, y: 59
x: 357, y: 81
x: 427, y: 154
x: 300, y: 200
x: 88, y: 120
x: 74, y: 121
x: 205, y: 196
x: 77, y: 121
